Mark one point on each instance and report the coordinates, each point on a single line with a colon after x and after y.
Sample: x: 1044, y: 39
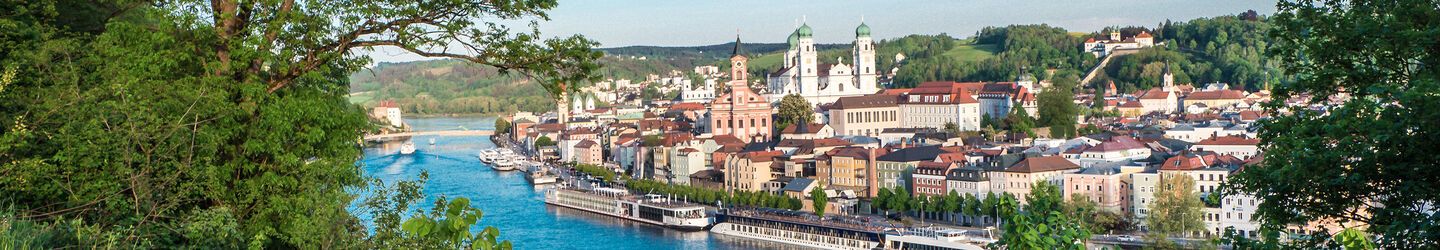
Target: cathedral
x: 803, y: 74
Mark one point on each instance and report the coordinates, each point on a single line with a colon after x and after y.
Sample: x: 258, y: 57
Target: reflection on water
x: 514, y: 206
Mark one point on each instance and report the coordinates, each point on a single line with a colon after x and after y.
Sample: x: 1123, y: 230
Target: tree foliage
x: 793, y: 110
x: 1057, y: 108
x: 1042, y: 225
x: 221, y: 124
x: 1176, y: 211
x: 1371, y: 152
x: 818, y: 200
x: 502, y: 126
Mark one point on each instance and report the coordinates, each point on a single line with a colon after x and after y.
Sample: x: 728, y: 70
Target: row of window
x: 869, y: 116
x: 731, y: 123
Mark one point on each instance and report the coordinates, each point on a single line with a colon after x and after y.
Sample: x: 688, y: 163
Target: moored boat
x: 650, y: 209
x: 798, y: 228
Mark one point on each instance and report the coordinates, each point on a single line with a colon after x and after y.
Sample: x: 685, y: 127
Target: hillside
x: 718, y: 51
x: 446, y: 87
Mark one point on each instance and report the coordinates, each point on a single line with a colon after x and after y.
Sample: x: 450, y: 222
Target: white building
x: 865, y: 115
x: 802, y: 73
x: 1101, y: 48
x: 933, y: 104
x: 702, y: 94
x: 1117, y: 148
x: 1239, y: 146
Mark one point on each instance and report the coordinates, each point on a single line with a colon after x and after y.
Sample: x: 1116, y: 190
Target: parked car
x: 1126, y: 238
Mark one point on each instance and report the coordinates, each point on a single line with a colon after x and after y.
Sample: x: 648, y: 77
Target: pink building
x: 1107, y: 186
x: 588, y: 152
x: 741, y: 112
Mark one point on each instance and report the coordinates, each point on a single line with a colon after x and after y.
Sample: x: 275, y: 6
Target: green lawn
x: 360, y: 98
x: 972, y: 53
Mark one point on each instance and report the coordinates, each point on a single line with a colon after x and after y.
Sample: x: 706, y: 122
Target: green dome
x: 804, y: 31
x: 862, y: 31
x: 794, y: 40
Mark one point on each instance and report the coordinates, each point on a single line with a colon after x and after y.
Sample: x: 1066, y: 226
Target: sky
x: 619, y: 23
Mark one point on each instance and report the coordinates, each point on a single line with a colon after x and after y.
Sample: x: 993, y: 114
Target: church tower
x: 794, y: 51
x: 864, y: 56
x: 809, y: 61
x: 738, y: 75
x: 1169, y: 79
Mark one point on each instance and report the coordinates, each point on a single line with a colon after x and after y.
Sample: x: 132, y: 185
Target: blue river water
x: 512, y: 204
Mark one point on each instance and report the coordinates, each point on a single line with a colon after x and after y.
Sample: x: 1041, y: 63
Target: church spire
x: 738, y: 50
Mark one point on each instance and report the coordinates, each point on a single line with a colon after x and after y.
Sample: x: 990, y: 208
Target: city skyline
x: 672, y: 24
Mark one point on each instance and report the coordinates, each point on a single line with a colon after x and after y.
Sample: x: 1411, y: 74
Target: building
x: 1108, y: 185
x: 388, y: 112
x: 933, y: 104
x: 1021, y: 177
x: 686, y: 162
x: 998, y: 99
x: 849, y: 168
x: 802, y: 74
x: 699, y: 94
x: 865, y: 115
x: 929, y: 178
x: 1216, y: 99
x: 1164, y: 99
x: 749, y: 171
x: 588, y: 152
x: 1101, y: 48
x: 1114, y: 149
x: 968, y: 179
x: 1239, y: 146
x: 741, y: 112
x: 807, y: 131
x: 894, y: 170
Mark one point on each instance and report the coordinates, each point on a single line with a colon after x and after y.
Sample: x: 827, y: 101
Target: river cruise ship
x: 799, y: 228
x: 651, y: 209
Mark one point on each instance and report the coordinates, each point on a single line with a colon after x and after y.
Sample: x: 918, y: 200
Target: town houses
x: 867, y: 141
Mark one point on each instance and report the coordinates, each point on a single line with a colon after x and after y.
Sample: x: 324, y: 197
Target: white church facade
x: 802, y: 73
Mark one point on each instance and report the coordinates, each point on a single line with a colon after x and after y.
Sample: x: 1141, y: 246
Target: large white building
x: 864, y: 115
x: 933, y: 104
x: 802, y: 73
x: 1105, y: 47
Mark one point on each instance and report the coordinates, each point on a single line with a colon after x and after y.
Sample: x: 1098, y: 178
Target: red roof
x: 1143, y: 35
x: 762, y: 156
x: 1091, y: 40
x: 1217, y: 95
x: 895, y: 91
x: 1131, y: 104
x: 957, y: 92
x: 686, y: 107
x: 1188, y: 161
x: 1116, y: 143
x: 1155, y: 93
x: 1230, y: 140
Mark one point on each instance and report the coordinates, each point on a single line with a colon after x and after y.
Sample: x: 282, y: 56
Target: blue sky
x: 687, y: 23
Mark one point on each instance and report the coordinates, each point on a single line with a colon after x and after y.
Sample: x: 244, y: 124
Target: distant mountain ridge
x: 707, y: 51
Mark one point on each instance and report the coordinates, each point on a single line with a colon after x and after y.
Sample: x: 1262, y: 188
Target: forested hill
x: 446, y: 87
x: 717, y: 51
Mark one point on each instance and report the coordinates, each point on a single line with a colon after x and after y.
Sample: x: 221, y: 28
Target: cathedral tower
x: 864, y: 56
x: 809, y: 61
x: 793, y: 52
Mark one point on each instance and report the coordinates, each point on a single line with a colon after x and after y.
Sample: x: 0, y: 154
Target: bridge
x: 438, y: 133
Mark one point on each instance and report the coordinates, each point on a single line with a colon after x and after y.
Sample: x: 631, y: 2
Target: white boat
x: 650, y: 209
x: 487, y: 156
x: 502, y: 165
x: 799, y: 228
x: 407, y: 148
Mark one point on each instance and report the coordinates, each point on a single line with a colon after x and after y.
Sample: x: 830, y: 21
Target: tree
x: 1041, y: 226
x: 899, y: 201
x: 1373, y: 153
x: 502, y: 126
x: 165, y: 117
x: 1176, y: 211
x: 544, y: 141
x: 952, y: 127
x: 818, y: 200
x: 1019, y: 121
x: 953, y: 202
x: 793, y: 110
x: 448, y: 226
x: 1057, y: 109
x: 881, y: 198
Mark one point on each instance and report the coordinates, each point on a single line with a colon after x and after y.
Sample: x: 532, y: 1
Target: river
x: 513, y: 205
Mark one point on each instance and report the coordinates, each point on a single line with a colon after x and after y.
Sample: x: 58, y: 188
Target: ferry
x: 799, y: 228
x: 502, y: 164
x: 407, y: 148
x: 536, y: 174
x: 650, y: 209
x: 487, y: 156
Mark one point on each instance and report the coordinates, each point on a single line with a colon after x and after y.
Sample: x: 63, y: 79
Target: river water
x: 513, y: 205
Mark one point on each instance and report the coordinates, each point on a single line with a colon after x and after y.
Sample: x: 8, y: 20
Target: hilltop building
x: 1101, y: 48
